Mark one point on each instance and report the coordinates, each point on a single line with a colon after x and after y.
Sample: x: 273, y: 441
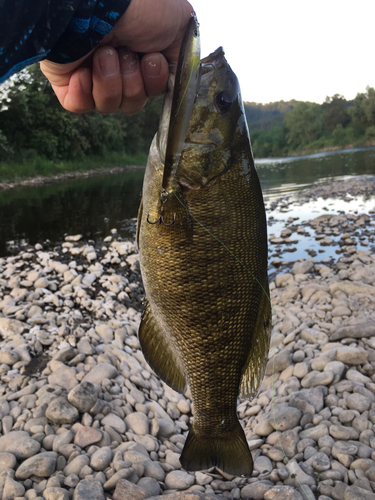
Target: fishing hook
x: 164, y: 198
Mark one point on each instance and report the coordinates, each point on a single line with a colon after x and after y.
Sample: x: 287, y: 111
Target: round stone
x: 7, y: 461
x: 179, y: 480
x: 19, y: 444
x: 115, y: 422
x: 86, y: 436
x: 41, y: 465
x: 60, y: 411
x: 101, y: 458
x: 358, y: 402
x: 83, y: 396
x: 263, y: 465
x: 286, y: 418
x: 8, y: 357
x: 138, y: 423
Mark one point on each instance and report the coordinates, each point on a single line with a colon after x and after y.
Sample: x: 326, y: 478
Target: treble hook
x: 164, y: 198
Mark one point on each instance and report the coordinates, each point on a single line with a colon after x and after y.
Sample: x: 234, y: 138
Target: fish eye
x: 223, y: 101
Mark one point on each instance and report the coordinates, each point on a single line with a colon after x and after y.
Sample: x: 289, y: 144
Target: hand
x: 113, y: 76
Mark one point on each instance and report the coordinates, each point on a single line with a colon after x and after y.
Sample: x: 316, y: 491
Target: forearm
x: 62, y: 31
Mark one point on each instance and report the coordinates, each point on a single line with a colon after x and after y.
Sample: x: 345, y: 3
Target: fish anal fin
x: 229, y: 454
x: 159, y: 354
x: 255, y: 366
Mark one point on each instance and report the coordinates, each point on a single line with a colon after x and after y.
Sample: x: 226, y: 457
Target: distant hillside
x: 267, y: 116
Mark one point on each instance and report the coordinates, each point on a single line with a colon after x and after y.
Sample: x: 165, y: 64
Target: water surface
x: 93, y: 206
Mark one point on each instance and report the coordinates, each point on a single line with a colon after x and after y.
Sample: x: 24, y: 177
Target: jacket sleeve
x: 59, y: 30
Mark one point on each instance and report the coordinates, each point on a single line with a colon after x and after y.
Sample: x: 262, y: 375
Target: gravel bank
x: 84, y: 417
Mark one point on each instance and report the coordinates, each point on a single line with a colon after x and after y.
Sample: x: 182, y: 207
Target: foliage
x: 34, y: 125
x: 266, y: 116
x: 38, y: 137
x: 335, y: 113
x: 309, y: 127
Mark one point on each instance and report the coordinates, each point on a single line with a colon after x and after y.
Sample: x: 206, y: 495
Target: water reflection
x: 94, y: 205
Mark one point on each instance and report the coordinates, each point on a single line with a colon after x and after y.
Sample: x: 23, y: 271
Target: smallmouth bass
x: 202, y: 239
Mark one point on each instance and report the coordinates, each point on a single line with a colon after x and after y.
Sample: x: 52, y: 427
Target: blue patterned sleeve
x: 59, y: 30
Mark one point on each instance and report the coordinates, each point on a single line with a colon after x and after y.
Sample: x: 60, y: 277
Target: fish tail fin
x: 229, y: 453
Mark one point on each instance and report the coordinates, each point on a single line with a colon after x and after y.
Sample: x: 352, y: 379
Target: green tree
x: 303, y: 123
x: 33, y: 123
x: 335, y: 112
x: 363, y: 111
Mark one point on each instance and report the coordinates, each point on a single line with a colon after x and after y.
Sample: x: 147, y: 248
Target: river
x: 94, y: 206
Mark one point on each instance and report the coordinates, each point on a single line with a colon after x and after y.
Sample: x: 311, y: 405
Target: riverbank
x: 83, y: 416
x: 41, y: 180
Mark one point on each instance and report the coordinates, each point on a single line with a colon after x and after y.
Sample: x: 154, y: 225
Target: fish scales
x: 207, y: 320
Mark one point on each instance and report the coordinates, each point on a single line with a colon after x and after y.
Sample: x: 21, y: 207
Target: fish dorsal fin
x: 159, y: 354
x: 253, y: 372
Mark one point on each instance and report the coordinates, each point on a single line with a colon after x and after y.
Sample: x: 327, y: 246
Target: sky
x: 293, y: 49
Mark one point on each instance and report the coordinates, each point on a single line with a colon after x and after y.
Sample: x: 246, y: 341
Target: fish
x: 202, y: 239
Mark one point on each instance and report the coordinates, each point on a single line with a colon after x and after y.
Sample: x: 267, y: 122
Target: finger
x: 107, y: 85
x: 73, y: 89
x: 134, y: 95
x: 155, y: 72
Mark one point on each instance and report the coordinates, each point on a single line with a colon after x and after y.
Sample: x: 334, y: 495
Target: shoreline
x: 71, y: 175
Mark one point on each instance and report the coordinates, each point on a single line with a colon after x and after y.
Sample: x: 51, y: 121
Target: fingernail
x: 128, y: 61
x: 108, y: 63
x: 152, y: 66
x: 85, y: 80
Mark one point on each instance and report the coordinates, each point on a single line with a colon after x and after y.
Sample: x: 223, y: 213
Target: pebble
x: 89, y: 489
x: 88, y: 415
x: 138, y: 423
x: 86, y: 436
x: 126, y: 490
x: 178, y: 480
x: 115, y: 422
x: 83, y: 396
x: 19, y: 444
x: 60, y: 411
x: 40, y: 465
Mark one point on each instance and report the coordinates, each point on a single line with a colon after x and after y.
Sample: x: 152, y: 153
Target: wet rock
x: 303, y: 267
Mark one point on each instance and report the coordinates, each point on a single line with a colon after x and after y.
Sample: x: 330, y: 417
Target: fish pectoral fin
x: 255, y: 366
x: 230, y: 453
x: 139, y: 221
x: 159, y: 354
